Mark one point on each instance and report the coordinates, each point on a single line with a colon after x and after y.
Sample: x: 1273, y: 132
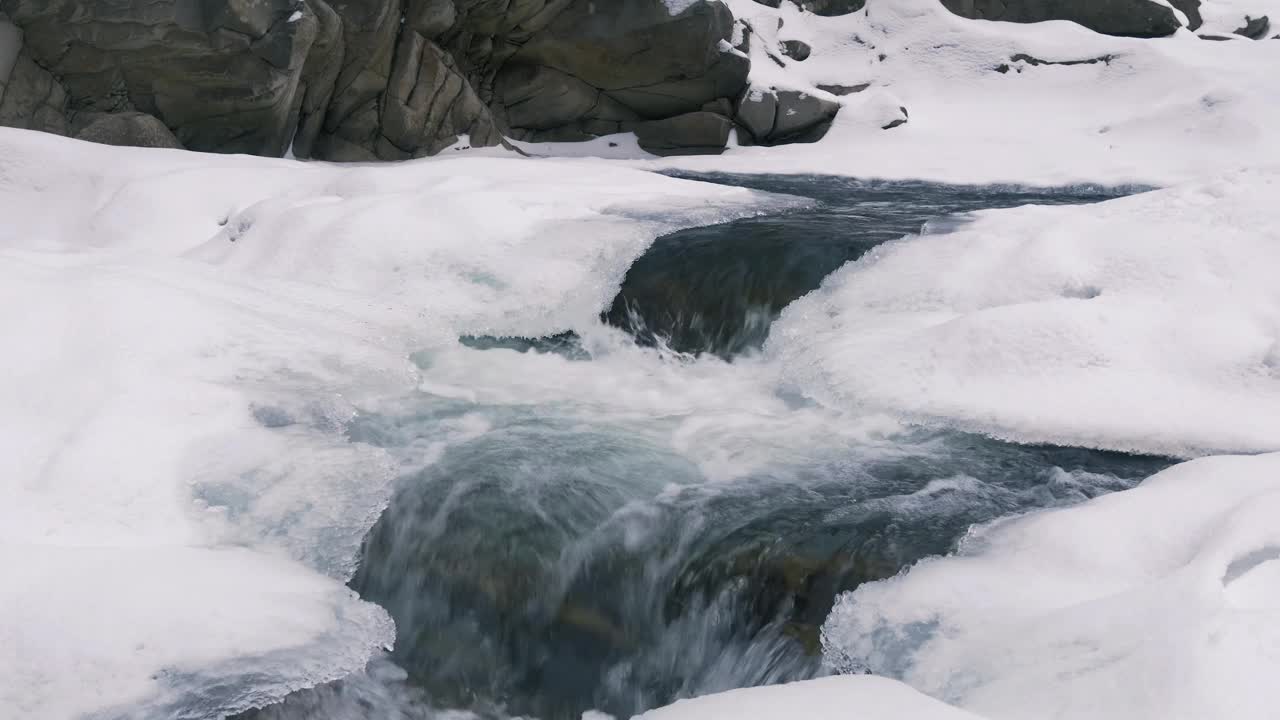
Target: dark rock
x: 1126, y: 18
x: 833, y: 7
x: 428, y: 103
x: 1216, y: 38
x: 648, y: 63
x: 32, y: 98
x: 132, y: 129
x: 770, y: 3
x: 780, y: 116
x: 796, y: 49
x: 757, y: 110
x: 225, y: 73
x: 1190, y: 8
x: 695, y: 133
x: 719, y: 106
x: 319, y: 76
x: 844, y: 89
x: 1255, y: 28
x: 537, y: 97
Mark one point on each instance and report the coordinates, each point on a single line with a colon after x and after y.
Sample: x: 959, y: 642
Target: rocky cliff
x: 361, y: 80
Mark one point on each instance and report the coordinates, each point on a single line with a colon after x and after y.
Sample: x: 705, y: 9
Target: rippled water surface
x: 591, y: 522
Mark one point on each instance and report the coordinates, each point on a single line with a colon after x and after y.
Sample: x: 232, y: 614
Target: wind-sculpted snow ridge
x: 1148, y: 324
x: 925, y: 94
x: 1158, y: 602
x: 188, y: 337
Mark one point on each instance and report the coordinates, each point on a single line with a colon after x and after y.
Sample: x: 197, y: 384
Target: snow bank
x: 1159, y: 602
x: 1126, y: 111
x: 187, y: 339
x: 1149, y: 323
x: 842, y: 697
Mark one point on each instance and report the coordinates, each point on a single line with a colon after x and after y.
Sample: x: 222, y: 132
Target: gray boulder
x: 225, y: 73
x: 133, y: 129
x: 774, y: 117
x: 695, y: 133
x: 603, y: 63
x: 1127, y: 18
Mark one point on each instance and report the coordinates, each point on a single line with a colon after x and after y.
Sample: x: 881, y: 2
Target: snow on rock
x: 841, y: 697
x: 1149, y: 323
x: 187, y: 338
x: 1047, y: 104
x: 1158, y: 602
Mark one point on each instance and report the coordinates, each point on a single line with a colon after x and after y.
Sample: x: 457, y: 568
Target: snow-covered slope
x: 1149, y: 323
x: 987, y: 103
x: 1158, y: 602
x: 186, y: 339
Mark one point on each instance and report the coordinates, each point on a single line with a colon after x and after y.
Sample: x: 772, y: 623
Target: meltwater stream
x: 615, y: 519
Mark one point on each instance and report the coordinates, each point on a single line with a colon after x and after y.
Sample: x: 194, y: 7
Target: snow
x: 1149, y: 323
x: 842, y: 697
x: 1158, y: 602
x: 188, y: 337
x: 1155, y: 112
x: 1223, y: 17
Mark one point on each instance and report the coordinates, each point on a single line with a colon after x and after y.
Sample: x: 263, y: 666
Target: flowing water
x: 636, y: 513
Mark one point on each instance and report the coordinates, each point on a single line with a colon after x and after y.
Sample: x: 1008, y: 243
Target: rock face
x: 224, y: 73
x: 606, y: 66
x: 30, y: 97
x: 1128, y: 18
x: 367, y: 79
